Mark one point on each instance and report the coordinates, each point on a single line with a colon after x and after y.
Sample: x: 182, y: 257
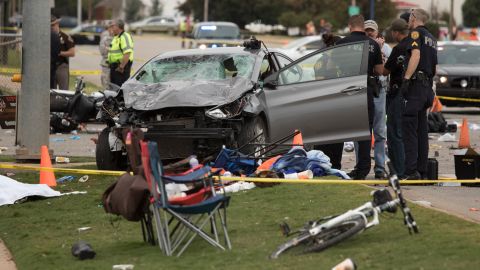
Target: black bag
x: 432, y: 169
x: 436, y: 122
x: 128, y: 197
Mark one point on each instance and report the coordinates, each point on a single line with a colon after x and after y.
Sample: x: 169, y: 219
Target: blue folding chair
x: 178, y: 225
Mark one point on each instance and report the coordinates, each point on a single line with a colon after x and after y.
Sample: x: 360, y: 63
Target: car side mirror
x: 271, y: 81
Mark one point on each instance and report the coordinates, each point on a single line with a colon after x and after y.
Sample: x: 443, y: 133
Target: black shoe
x: 357, y: 175
x: 381, y: 175
x: 412, y: 176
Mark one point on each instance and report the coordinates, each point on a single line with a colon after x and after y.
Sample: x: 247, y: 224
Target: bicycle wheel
x: 336, y: 234
x: 292, y: 243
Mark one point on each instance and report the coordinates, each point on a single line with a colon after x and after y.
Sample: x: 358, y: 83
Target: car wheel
x: 106, y: 159
x: 254, y: 131
x: 139, y: 31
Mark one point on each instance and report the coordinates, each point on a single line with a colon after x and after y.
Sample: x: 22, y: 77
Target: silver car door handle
x: 352, y: 89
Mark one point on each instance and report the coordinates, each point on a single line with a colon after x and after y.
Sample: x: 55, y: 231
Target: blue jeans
x: 396, y: 151
x: 380, y: 130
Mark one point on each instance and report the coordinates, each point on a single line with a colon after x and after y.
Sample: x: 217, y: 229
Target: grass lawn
x: 40, y: 233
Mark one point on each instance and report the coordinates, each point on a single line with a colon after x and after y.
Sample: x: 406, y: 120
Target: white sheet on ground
x: 12, y: 190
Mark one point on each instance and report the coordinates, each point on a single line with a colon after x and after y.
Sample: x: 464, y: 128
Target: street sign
x: 353, y: 10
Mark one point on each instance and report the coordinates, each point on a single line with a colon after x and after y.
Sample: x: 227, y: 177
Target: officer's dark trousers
x: 396, y: 151
x: 119, y: 78
x: 415, y: 128
x: 334, y: 151
x: 364, y: 147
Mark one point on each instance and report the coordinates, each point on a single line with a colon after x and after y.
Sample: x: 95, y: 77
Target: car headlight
x: 202, y: 46
x: 214, y: 46
x: 443, y: 79
x: 228, y: 111
x: 463, y: 83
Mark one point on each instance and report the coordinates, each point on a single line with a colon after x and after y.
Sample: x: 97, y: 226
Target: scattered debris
x: 62, y: 160
x: 474, y: 209
x: 67, y: 178
x: 423, y: 203
x: 75, y: 137
x: 347, y: 264
x: 83, y: 250
x: 447, y: 137
x: 123, y: 267
x: 3, y: 149
x: 57, y: 140
x: 83, y: 179
x: 82, y: 229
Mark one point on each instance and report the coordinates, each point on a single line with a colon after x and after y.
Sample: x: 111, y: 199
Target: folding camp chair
x: 179, y: 221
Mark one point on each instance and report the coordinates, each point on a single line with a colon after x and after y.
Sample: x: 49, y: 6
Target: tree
x: 157, y: 8
x: 471, y: 13
x: 132, y: 11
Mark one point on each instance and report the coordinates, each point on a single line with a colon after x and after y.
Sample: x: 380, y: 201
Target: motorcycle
x: 70, y: 108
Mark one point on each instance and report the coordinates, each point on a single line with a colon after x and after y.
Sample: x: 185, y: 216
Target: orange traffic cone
x: 297, y: 139
x: 464, y: 140
x: 437, y: 105
x: 46, y: 177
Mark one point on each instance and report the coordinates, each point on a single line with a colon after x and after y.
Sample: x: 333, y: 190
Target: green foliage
x: 385, y: 12
x: 40, y: 233
x: 471, y: 13
x: 292, y: 19
x: 69, y: 8
x: 433, y: 28
x: 132, y: 10
x: 157, y: 8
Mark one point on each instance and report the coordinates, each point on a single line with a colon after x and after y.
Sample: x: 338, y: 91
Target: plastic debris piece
x: 474, y: 209
x: 348, y: 146
x: 82, y: 229
x: 57, y: 140
x: 75, y: 138
x: 447, y: 137
x: 123, y: 267
x: 74, y: 193
x: 67, y: 178
x: 62, y: 160
x: 83, y: 179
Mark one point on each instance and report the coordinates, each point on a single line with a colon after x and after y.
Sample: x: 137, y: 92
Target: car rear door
x: 324, y: 95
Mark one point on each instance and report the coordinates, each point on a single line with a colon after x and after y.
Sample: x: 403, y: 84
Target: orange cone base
x: 46, y: 177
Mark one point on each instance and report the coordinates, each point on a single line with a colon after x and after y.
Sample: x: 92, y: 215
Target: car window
x: 197, y: 67
x: 456, y: 54
x: 282, y: 60
x: 314, y: 45
x: 337, y: 62
x: 90, y: 29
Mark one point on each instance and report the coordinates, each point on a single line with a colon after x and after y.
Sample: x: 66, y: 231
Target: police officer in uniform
x: 417, y: 91
x: 395, y: 67
x: 120, y: 55
x: 375, y: 68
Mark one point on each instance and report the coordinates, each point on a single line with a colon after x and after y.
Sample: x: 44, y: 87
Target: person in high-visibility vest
x: 183, y: 31
x: 120, y: 54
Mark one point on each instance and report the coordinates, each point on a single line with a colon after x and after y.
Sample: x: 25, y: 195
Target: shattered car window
x: 197, y: 67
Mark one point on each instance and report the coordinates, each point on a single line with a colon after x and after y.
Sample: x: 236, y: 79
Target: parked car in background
x: 302, y: 46
x: 214, y: 34
x: 458, y: 73
x: 68, y: 22
x: 87, y: 34
x: 195, y: 101
x: 154, y: 24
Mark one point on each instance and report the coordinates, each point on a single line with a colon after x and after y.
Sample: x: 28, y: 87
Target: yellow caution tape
x: 460, y: 99
x: 61, y: 170
x: 247, y: 179
x: 75, y: 72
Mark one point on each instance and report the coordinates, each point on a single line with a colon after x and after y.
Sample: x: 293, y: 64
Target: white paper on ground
x: 12, y: 190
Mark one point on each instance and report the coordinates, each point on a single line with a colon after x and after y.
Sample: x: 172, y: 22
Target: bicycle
x: 321, y: 234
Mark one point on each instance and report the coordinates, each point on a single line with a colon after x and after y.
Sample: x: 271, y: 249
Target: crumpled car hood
x: 196, y: 93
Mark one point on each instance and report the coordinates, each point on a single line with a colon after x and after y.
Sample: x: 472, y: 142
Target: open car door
x: 323, y: 94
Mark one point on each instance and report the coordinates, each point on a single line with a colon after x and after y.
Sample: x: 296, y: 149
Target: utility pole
x: 372, y: 9
x: 205, y: 10
x: 450, y: 21
x: 33, y: 103
x: 79, y: 12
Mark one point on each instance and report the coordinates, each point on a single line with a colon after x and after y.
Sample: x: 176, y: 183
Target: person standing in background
x: 379, y: 100
x: 67, y: 50
x: 120, y: 55
x: 105, y: 40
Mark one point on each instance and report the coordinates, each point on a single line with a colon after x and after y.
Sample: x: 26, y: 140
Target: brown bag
x: 128, y: 197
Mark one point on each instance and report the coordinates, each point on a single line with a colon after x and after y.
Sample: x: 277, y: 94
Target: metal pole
x: 372, y: 9
x: 205, y: 10
x: 450, y: 21
x: 33, y: 103
x: 79, y: 12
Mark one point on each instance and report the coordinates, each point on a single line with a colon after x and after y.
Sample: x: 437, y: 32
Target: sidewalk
x: 6, y: 259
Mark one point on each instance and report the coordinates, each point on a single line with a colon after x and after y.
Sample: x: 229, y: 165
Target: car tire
x: 105, y: 158
x: 252, y: 128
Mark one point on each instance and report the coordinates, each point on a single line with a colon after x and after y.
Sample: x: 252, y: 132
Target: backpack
x: 436, y: 122
x: 128, y: 197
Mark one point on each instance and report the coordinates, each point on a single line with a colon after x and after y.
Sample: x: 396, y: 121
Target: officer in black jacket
x: 375, y: 68
x: 417, y: 91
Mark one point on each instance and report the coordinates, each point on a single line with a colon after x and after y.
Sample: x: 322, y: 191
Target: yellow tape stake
x: 459, y: 99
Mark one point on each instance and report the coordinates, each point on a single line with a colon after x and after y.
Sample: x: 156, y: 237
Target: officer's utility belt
x: 422, y: 77
x: 116, y: 64
x: 373, y: 82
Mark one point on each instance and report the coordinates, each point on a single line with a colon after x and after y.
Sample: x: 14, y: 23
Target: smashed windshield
x: 197, y: 67
x: 217, y: 32
x: 451, y: 55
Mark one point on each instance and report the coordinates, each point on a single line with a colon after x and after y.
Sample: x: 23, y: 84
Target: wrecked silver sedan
x: 195, y: 101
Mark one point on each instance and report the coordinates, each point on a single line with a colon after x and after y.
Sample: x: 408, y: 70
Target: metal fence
x: 10, y: 62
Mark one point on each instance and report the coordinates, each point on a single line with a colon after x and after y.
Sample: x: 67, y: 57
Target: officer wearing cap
x: 120, y: 55
x: 375, y: 68
x: 395, y: 67
x: 417, y: 91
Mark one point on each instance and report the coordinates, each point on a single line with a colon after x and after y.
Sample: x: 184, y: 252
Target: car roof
x: 210, y: 51
x: 216, y: 23
x: 459, y: 43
